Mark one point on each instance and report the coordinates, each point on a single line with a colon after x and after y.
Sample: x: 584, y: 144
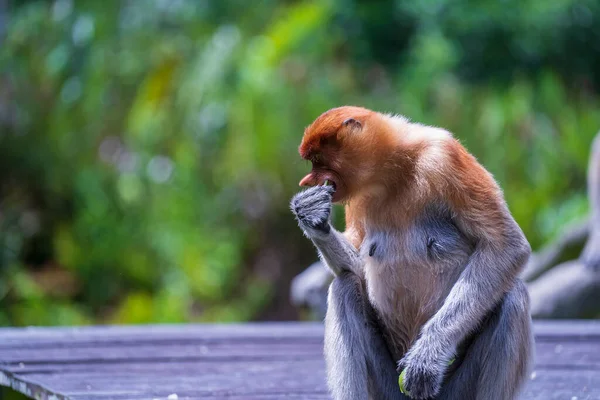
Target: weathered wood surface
x: 252, y: 361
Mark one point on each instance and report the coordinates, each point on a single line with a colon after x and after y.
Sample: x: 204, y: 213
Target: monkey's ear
x: 352, y: 123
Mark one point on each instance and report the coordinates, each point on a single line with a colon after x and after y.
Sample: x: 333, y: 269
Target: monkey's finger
x: 401, y: 365
x: 329, y: 187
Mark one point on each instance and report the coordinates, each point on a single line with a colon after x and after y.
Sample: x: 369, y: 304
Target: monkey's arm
x: 501, y: 251
x: 312, y: 208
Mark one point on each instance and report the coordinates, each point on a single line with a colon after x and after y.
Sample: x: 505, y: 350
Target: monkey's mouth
x: 338, y: 190
x: 330, y: 183
x: 328, y: 178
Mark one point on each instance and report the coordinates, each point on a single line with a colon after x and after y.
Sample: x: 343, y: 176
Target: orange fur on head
x: 328, y: 126
x: 342, y: 148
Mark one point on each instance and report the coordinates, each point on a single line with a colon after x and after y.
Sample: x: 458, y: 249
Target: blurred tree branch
x: 572, y: 240
x: 591, y: 253
x: 572, y: 289
x: 569, y: 290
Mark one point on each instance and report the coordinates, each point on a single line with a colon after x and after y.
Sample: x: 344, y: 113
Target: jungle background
x: 148, y: 148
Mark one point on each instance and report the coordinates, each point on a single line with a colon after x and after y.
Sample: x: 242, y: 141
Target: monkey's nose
x: 308, y: 180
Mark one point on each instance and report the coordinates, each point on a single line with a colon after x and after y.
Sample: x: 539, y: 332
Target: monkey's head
x: 344, y: 145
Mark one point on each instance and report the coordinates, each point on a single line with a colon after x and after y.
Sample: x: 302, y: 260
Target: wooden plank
x: 14, y: 337
x: 562, y: 384
x: 237, y: 380
x: 254, y: 361
x: 162, y: 332
x: 186, y: 396
x: 163, y: 352
x: 568, y: 353
x: 547, y: 384
x: 571, y: 329
x: 152, y: 369
x: 255, y: 379
x: 584, y: 354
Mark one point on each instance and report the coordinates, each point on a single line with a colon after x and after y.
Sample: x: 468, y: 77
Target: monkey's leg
x: 497, y: 361
x: 359, y: 365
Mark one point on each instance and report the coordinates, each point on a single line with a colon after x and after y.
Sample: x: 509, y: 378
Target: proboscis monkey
x: 426, y: 273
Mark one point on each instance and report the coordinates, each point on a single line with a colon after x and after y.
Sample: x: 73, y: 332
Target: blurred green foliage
x: 148, y: 148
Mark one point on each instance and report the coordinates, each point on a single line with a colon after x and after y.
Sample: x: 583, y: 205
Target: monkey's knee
x: 515, y: 330
x: 346, y: 320
x: 510, y: 351
x: 509, y: 343
x: 358, y: 361
x: 347, y: 293
x: 498, y: 357
x: 344, y: 349
x: 516, y: 302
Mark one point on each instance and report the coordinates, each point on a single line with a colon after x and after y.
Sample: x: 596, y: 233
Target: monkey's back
x: 410, y: 270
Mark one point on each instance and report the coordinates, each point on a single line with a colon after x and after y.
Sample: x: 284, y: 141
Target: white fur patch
x: 433, y: 157
x: 412, y: 132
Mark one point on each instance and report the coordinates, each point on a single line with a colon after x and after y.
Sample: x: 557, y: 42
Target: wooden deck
x: 252, y: 361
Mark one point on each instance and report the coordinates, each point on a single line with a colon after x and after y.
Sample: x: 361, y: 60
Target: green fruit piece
x: 401, y: 383
x: 326, y: 183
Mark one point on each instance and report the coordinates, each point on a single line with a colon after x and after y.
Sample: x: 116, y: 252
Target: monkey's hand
x: 425, y: 368
x: 312, y: 208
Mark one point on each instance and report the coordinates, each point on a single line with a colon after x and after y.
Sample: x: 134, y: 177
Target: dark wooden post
x: 591, y: 253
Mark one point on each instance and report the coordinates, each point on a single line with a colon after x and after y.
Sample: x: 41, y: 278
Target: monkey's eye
x: 325, y: 140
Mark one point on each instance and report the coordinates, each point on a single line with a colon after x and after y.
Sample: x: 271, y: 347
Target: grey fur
x: 312, y: 208
x: 437, y: 292
x: 488, y: 274
x: 498, y: 359
x: 359, y: 364
x: 444, y: 239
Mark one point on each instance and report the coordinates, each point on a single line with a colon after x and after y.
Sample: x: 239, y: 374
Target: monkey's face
x: 338, y: 146
x: 327, y: 169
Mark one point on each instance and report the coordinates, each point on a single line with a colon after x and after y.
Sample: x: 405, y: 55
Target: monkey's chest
x: 409, y: 272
